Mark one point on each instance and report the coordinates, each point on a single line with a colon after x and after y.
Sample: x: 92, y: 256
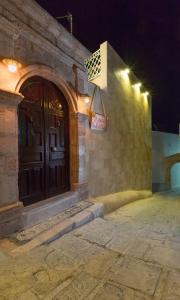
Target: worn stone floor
x: 131, y: 254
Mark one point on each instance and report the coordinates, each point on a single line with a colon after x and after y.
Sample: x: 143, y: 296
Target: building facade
x: 47, y: 147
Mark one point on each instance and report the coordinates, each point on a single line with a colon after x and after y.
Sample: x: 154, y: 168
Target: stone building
x: 47, y: 149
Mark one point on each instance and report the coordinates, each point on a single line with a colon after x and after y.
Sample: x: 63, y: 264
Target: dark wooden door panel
x: 43, y: 141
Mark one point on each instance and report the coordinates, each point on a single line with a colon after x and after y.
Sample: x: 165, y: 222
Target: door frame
x: 78, y: 174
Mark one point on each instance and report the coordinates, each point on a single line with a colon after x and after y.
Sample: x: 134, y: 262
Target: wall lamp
x: 145, y: 94
x: 137, y: 85
x: 125, y: 72
x: 86, y: 98
x: 12, y: 64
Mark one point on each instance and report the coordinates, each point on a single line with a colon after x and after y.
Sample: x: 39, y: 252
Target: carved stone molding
x: 9, y: 98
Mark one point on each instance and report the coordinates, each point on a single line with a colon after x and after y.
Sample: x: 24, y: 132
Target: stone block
x: 9, y: 145
x: 97, y: 231
x: 9, y: 189
x: 164, y: 256
x: 97, y: 210
x: 135, y: 274
x: 2, y: 163
x: 11, y: 121
x: 82, y: 218
x: 172, y: 286
x: 80, y: 287
x: 11, y: 164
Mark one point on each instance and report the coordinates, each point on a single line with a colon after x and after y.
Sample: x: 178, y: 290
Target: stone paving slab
x: 172, y: 288
x: 78, y: 289
x: 135, y: 274
x: 98, y: 231
x: 94, y: 259
x: 164, y: 256
x: 3, y: 257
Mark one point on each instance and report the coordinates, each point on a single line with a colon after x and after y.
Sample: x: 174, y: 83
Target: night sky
x: 145, y: 33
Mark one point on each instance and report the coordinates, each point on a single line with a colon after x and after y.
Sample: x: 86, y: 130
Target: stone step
x: 41, y: 210
x: 23, y: 217
x: 58, y: 226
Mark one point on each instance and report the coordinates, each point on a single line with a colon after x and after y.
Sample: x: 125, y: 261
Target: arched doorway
x: 169, y: 162
x: 175, y: 176
x: 43, y: 141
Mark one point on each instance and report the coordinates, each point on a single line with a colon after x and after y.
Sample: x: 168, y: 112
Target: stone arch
x: 53, y: 76
x: 169, y: 161
x: 71, y: 97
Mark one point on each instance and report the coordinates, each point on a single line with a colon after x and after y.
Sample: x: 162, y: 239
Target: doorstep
x: 52, y: 228
x: 13, y: 219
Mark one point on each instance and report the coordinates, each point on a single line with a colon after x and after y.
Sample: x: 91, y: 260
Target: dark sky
x: 145, y: 33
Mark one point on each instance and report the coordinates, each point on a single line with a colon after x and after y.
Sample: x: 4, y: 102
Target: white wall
x: 175, y: 176
x: 163, y: 144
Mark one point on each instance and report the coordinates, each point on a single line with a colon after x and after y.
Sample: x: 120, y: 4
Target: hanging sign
x: 98, y: 122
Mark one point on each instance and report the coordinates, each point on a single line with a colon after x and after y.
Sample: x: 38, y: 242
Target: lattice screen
x: 93, y: 65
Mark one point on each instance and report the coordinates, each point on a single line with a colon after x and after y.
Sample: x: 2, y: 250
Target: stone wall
x: 119, y: 159
x: 9, y: 148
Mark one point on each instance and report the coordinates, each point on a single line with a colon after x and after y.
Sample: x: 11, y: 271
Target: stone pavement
x: 131, y: 254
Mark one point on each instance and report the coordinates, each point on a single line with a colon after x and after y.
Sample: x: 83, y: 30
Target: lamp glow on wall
x: 145, y: 94
x: 125, y: 73
x: 137, y: 86
x: 12, y: 64
x: 86, y: 98
x: 145, y: 98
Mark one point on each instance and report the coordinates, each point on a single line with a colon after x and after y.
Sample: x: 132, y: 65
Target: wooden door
x: 43, y: 141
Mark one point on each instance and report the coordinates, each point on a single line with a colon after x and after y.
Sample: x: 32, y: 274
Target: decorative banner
x: 98, y: 122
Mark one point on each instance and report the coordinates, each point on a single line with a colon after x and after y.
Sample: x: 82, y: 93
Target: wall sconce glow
x: 86, y: 98
x: 125, y: 72
x: 137, y: 85
x: 12, y: 65
x: 145, y: 94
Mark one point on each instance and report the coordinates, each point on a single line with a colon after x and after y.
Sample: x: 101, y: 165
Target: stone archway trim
x: 169, y: 161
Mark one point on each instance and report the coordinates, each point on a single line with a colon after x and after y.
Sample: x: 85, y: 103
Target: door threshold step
x: 20, y: 218
x: 55, y: 227
x: 24, y: 236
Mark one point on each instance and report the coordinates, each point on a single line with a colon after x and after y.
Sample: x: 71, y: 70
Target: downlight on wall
x: 137, y: 85
x: 12, y: 65
x: 145, y: 94
x: 124, y: 73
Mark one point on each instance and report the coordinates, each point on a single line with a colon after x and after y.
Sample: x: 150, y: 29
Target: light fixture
x: 125, y: 72
x: 12, y: 64
x: 145, y: 94
x: 137, y: 85
x: 86, y: 98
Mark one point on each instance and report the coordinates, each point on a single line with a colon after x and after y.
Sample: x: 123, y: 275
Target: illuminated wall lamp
x: 145, y: 94
x: 86, y: 98
x: 12, y: 64
x: 125, y: 72
x: 137, y: 85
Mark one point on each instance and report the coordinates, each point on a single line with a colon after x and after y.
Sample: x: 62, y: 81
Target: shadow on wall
x: 175, y: 176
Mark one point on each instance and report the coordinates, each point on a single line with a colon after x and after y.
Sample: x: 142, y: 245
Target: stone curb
x: 58, y: 230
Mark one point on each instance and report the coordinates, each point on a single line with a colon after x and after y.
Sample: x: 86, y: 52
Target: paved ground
x: 133, y: 254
